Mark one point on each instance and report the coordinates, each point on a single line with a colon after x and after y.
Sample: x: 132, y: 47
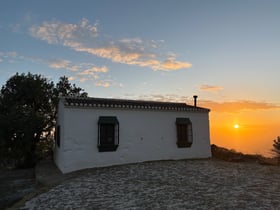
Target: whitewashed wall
x: 143, y: 136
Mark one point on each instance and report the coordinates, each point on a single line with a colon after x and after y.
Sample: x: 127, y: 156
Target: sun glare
x: 236, y: 126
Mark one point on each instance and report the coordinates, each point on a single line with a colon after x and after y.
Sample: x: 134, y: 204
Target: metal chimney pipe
x: 195, y: 100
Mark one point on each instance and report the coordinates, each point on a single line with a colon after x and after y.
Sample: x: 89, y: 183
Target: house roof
x: 128, y: 104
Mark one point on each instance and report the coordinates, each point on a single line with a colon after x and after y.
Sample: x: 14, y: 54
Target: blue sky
x: 227, y: 52
x: 221, y: 50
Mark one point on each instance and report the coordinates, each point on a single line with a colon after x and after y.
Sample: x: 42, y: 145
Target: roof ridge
x: 129, y: 104
x: 122, y: 99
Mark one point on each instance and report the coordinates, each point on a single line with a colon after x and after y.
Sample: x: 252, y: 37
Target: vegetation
x: 27, y: 115
x: 232, y: 155
x: 276, y: 147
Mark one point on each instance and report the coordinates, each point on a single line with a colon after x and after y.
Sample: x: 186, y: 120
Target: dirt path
x: 14, y: 185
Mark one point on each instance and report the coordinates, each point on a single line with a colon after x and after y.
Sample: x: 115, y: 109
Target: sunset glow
x: 226, y: 52
x: 255, y: 135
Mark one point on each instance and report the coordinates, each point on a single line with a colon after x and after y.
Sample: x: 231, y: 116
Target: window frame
x: 108, y: 121
x: 184, y: 132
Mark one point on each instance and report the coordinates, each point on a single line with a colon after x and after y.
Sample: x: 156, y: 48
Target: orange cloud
x: 210, y: 88
x: 133, y: 58
x: 113, y: 53
x: 103, y: 84
x: 83, y: 79
x: 82, y: 36
x: 237, y: 106
x: 93, y: 70
x: 83, y: 71
x: 214, y: 106
x: 71, y: 78
x: 59, y: 64
x: 171, y: 64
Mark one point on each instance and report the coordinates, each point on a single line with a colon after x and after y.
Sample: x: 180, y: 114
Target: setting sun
x: 236, y: 126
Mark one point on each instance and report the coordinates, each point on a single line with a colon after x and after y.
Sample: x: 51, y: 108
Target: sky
x: 226, y: 52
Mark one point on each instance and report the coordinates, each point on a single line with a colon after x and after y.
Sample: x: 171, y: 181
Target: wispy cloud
x: 5, y: 55
x: 84, y: 37
x: 60, y: 64
x: 103, y: 83
x: 159, y: 97
x: 81, y: 68
x: 210, y: 88
x: 56, y: 32
x: 71, y: 78
x: 11, y: 54
x: 172, y: 64
x: 82, y: 71
x: 12, y: 57
x: 77, y: 71
x: 227, y: 106
x: 9, y: 57
x: 238, y: 106
x: 93, y: 70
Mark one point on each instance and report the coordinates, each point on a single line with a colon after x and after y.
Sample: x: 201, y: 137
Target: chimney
x: 195, y: 99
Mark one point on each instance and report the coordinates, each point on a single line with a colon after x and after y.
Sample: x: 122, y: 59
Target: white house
x: 96, y: 132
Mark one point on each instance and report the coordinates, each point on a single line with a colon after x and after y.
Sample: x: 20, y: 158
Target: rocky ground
x: 186, y: 184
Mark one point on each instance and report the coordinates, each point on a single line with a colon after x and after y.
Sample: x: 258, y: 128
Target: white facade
x: 146, y: 133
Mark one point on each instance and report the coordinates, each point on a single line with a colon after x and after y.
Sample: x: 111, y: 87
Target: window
x: 184, y: 132
x: 108, y: 134
x: 57, y: 135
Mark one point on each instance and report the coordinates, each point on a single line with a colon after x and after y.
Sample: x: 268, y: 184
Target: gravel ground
x: 187, y: 184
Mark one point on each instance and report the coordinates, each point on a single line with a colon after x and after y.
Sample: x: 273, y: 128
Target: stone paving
x: 186, y: 184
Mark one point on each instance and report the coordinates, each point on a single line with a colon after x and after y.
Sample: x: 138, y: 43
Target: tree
x: 27, y: 114
x: 26, y: 104
x: 276, y: 147
x: 65, y: 88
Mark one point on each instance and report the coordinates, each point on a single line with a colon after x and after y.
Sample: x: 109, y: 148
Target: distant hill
x: 231, y: 155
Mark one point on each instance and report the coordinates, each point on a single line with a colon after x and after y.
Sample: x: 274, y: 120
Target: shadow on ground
x: 15, y: 184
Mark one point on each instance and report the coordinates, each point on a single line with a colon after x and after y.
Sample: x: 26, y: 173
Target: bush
x: 276, y: 147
